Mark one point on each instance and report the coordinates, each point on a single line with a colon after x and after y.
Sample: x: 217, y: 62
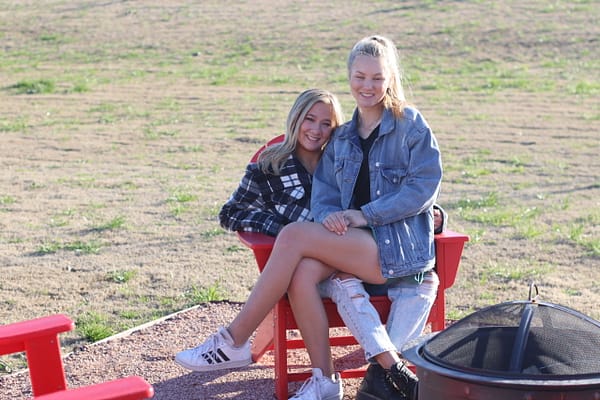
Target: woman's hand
x: 339, y: 221
x: 355, y: 218
x: 336, y: 222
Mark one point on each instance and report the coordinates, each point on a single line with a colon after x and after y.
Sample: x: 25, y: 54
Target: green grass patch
x: 80, y: 247
x: 210, y: 233
x: 580, y: 232
x: 198, y: 295
x: 6, y: 200
x: 121, y: 276
x: 94, y: 326
x: 40, y: 86
x: 518, y: 271
x: 18, y: 124
x: 115, y: 223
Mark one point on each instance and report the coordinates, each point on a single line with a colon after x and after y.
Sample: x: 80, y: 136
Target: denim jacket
x: 405, y: 171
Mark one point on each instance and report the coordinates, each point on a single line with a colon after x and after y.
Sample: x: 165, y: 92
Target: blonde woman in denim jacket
x: 386, y: 234
x: 381, y: 173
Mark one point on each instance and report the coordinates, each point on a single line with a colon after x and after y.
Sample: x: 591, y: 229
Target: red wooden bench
x: 38, y: 338
x: 272, y: 332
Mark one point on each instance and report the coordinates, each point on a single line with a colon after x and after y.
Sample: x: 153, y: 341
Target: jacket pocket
x: 393, y: 177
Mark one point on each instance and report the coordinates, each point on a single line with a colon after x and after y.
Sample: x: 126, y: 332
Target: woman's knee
x: 308, y: 274
x: 300, y: 234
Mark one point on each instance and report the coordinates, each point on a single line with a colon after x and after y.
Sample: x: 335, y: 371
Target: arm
x: 420, y: 181
x: 246, y: 209
x: 326, y: 197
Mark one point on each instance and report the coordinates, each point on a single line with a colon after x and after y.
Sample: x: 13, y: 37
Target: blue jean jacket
x: 405, y: 171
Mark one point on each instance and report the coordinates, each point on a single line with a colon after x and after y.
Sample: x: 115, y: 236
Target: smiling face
x: 369, y: 81
x: 315, y: 129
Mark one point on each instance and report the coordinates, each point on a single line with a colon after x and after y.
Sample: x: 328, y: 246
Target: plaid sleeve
x: 246, y: 209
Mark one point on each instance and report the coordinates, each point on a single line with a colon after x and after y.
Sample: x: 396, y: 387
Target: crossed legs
x: 355, y: 253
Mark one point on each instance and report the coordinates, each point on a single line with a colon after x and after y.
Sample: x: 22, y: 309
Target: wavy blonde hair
x: 272, y: 158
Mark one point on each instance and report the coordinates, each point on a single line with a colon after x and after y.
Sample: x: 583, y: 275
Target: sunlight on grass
x: 94, y: 326
x: 81, y: 247
x: 198, y: 295
x: 519, y: 271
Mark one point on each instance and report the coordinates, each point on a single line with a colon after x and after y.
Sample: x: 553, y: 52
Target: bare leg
x: 354, y: 252
x: 309, y: 312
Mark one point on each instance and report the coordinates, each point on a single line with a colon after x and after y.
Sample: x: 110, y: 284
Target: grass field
x: 124, y: 125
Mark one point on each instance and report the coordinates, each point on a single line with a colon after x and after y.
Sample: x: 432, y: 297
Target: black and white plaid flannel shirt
x: 265, y: 202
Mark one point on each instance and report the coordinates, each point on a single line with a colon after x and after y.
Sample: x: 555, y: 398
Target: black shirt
x: 362, y: 189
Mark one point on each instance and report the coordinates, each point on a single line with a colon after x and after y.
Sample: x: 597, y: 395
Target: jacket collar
x: 386, y: 126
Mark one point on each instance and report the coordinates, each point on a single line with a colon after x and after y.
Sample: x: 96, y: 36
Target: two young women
x: 372, y: 198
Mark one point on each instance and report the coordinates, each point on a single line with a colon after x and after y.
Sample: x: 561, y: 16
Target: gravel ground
x: 148, y: 351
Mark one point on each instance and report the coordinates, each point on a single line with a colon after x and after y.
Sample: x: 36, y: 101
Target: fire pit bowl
x: 526, y: 350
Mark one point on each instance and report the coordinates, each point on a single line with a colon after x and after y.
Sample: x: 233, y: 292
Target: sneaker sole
x: 214, y: 367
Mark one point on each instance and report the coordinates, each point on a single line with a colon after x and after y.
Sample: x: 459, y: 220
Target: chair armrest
x: 13, y: 337
x: 260, y: 244
x: 130, y: 388
x: 448, y: 250
x: 255, y: 240
x: 38, y: 338
x: 449, y: 247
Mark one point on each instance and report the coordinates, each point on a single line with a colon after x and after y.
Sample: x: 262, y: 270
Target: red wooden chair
x: 38, y: 338
x: 272, y: 333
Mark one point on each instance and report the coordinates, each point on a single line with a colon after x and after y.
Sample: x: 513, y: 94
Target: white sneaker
x: 217, y: 352
x: 320, y: 387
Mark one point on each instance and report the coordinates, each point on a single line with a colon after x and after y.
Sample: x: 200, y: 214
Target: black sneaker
x: 398, y: 383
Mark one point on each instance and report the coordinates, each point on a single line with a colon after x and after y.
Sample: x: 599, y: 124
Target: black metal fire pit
x: 528, y: 350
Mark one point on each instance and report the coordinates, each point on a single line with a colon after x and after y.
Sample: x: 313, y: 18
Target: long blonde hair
x: 272, y: 158
x: 382, y: 47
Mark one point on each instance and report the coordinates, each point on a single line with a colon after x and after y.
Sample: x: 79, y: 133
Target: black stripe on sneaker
x: 215, y: 358
x: 223, y: 355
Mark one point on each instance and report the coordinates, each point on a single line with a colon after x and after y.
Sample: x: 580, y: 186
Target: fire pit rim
x: 412, y: 351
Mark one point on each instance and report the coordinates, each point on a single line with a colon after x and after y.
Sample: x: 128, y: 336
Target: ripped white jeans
x: 411, y: 297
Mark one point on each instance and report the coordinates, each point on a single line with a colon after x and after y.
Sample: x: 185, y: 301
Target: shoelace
x: 405, y: 377
x: 306, y: 385
x: 208, y: 348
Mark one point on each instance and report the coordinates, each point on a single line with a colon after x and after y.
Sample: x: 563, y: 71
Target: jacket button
x: 378, y: 193
x: 387, y: 241
x: 391, y: 272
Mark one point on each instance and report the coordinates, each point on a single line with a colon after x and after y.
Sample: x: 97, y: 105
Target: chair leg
x: 438, y: 322
x: 279, y: 341
x: 45, y: 365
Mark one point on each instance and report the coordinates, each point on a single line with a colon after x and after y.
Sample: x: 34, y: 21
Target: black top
x: 362, y: 189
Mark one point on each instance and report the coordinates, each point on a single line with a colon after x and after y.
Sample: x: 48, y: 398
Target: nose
x: 316, y: 127
x: 368, y: 83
